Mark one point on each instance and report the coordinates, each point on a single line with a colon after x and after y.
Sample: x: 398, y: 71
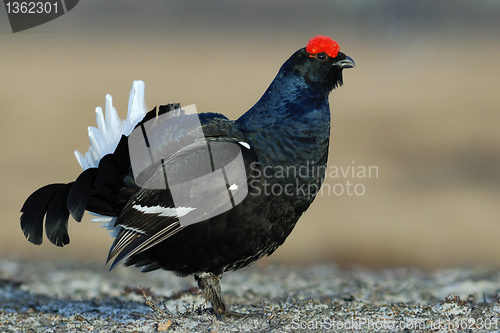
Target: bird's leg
x: 210, y: 288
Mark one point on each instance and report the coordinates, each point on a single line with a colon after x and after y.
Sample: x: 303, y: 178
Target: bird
x: 199, y: 194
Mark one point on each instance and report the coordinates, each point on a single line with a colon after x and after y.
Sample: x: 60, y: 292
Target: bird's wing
x: 199, y: 180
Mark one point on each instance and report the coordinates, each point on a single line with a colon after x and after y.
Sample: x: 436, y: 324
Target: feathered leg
x: 210, y: 288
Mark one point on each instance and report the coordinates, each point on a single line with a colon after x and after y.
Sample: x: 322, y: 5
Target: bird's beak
x: 347, y: 62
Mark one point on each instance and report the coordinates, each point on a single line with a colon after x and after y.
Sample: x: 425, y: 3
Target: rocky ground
x: 50, y: 297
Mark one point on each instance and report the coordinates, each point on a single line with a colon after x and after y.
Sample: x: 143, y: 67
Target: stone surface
x: 50, y: 297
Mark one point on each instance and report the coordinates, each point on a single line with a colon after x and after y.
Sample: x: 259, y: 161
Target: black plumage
x: 285, y: 132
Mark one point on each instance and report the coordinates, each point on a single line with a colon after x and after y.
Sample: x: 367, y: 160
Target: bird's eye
x: 321, y: 56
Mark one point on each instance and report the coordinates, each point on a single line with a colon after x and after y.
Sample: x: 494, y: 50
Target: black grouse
x: 199, y: 194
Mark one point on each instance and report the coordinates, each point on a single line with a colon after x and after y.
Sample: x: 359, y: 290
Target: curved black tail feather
x: 56, y: 220
x: 34, y: 210
x: 56, y: 202
x: 80, y: 192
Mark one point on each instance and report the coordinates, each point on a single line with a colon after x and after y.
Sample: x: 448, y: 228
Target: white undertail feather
x: 108, y: 223
x: 104, y: 139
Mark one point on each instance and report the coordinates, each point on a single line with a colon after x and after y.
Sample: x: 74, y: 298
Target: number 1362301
x: 39, y: 7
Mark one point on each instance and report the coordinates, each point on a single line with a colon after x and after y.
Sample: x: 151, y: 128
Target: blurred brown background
x: 422, y: 105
